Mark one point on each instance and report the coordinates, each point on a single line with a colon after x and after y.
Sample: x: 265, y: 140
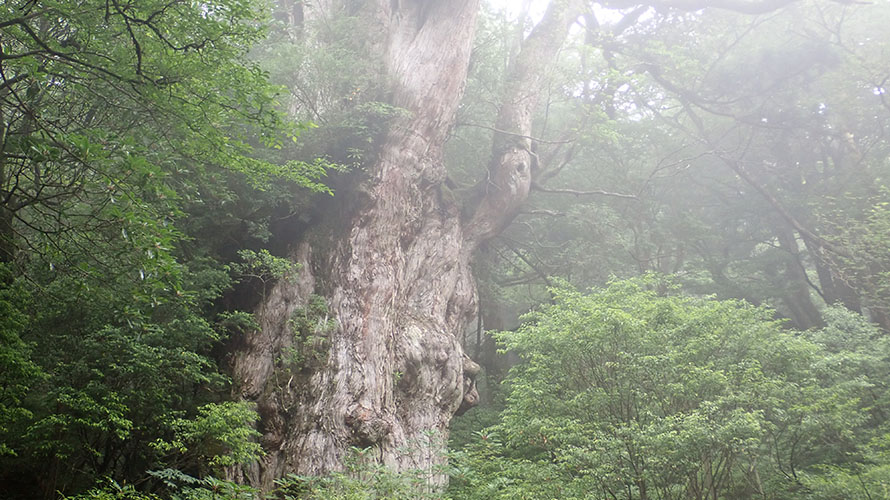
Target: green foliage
x: 115, y: 491
x: 310, y: 325
x: 313, y: 317
x: 19, y: 373
x: 220, y: 435
x: 122, y: 369
x: 112, y: 110
x: 263, y: 265
x: 865, y: 264
x: 177, y: 486
x: 362, y: 479
x: 134, y: 164
x: 629, y: 393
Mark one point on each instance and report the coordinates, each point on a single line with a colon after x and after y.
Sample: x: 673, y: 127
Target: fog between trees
x: 251, y: 249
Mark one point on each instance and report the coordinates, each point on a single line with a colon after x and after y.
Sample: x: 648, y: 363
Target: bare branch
x: 779, y: 207
x: 742, y: 6
x: 629, y: 20
x: 539, y: 211
x: 513, y: 134
x: 545, y: 173
x: 525, y: 259
x: 526, y: 279
x: 575, y: 192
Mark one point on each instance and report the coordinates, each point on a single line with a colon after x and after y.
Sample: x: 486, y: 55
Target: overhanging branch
x: 513, y: 134
x: 741, y: 6
x: 779, y: 207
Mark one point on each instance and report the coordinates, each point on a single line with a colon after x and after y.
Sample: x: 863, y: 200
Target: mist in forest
x: 454, y: 249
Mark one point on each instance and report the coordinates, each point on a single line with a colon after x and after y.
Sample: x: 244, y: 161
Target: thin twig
x: 536, y: 139
x: 575, y: 192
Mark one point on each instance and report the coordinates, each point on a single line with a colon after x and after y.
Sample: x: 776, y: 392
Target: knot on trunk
x: 367, y: 426
x: 274, y: 426
x: 470, y: 395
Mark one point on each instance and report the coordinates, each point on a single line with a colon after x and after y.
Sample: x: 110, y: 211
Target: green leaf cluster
x: 635, y: 391
x: 361, y: 479
x: 138, y: 181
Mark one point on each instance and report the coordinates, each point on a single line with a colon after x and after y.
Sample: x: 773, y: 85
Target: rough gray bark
x: 393, y: 264
x: 394, y: 276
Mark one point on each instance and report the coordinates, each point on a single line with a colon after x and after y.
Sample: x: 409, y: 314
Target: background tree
x: 676, y: 128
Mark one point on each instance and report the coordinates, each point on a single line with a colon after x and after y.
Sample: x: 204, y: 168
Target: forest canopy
x: 452, y: 249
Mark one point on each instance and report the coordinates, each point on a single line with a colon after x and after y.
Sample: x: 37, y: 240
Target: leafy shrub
x: 627, y: 393
x: 363, y: 479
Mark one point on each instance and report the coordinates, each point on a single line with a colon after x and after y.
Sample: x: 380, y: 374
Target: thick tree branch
x: 506, y: 187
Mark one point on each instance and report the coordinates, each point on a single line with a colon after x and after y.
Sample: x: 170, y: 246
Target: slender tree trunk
x: 7, y: 245
x: 834, y: 289
x: 393, y: 265
x: 797, y: 297
x: 7, y: 234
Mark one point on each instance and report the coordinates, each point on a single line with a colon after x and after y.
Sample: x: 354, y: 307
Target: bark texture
x: 382, y: 366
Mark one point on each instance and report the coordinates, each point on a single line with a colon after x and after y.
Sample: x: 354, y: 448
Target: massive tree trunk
x: 386, y: 369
